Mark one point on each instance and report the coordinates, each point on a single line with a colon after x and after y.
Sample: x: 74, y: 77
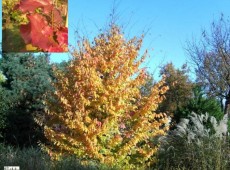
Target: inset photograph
x: 35, y: 25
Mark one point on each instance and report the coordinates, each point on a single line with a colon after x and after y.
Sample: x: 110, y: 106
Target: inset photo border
x: 35, y: 25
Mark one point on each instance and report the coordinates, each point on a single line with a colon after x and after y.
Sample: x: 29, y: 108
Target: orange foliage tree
x: 98, y: 112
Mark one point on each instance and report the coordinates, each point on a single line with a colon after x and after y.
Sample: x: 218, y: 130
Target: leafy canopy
x: 98, y: 111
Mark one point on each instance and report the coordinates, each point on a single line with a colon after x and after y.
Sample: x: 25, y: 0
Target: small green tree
x: 199, y: 104
x: 28, y: 79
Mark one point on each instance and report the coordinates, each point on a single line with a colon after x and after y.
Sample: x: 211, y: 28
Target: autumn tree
x: 98, y: 112
x: 211, y: 56
x: 180, y: 88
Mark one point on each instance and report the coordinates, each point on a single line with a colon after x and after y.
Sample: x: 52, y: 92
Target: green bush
x: 194, y: 146
x: 3, y: 105
x: 27, y: 159
x: 35, y: 159
x: 28, y: 80
x: 200, y: 104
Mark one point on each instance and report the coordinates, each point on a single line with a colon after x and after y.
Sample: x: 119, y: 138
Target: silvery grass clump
x: 201, y: 126
x: 199, y: 142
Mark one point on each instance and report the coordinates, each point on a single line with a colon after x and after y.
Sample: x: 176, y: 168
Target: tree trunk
x: 221, y: 104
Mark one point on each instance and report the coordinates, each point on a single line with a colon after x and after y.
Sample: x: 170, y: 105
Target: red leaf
x: 32, y: 5
x: 25, y: 33
x: 55, y: 49
x: 122, y: 126
x: 38, y: 32
x: 131, y: 113
x: 62, y: 36
x: 57, y: 18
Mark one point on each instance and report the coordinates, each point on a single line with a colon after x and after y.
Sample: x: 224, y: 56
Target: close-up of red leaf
x: 38, y: 32
x: 62, y: 36
x: 32, y: 5
x: 43, y: 27
x: 57, y: 18
x: 55, y: 49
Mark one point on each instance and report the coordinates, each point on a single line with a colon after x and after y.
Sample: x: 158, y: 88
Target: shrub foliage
x: 98, y: 112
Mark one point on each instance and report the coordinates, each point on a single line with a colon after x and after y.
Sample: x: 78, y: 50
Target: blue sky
x: 169, y: 23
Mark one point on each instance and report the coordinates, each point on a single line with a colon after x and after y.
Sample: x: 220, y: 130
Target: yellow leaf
x: 30, y: 47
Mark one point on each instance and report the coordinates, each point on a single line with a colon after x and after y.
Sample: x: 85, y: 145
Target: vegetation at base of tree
x: 190, y: 146
x: 35, y: 159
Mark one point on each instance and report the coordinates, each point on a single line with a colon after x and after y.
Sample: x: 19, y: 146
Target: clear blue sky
x: 169, y: 23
